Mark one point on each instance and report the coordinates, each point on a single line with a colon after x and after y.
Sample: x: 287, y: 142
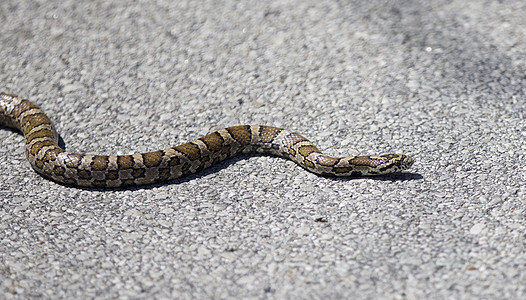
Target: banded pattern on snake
x: 86, y: 170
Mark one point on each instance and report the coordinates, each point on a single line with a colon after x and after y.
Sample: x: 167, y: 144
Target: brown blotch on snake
x: 76, y: 169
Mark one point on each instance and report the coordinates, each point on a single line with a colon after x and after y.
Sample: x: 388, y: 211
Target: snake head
x: 382, y: 164
x: 390, y: 163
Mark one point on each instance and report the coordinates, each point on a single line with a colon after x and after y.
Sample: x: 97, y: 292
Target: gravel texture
x: 441, y: 81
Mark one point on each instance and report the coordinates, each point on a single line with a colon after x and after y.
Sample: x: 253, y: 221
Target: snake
x: 51, y: 161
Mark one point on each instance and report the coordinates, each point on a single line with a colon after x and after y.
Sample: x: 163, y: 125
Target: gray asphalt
x: 443, y: 82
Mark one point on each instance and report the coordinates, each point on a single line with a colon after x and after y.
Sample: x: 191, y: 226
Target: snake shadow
x: 405, y: 176
x: 402, y: 176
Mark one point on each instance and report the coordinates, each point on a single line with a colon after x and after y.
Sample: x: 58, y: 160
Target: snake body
x: 86, y: 170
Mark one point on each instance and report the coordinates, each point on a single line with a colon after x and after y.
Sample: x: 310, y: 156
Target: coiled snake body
x: 86, y: 170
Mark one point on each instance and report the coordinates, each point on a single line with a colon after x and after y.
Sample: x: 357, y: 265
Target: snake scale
x: 86, y: 170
